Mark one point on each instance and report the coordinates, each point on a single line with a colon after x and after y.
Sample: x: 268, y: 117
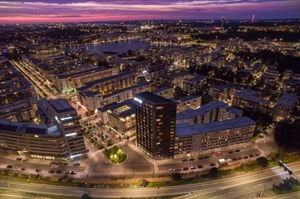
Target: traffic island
x: 115, y: 155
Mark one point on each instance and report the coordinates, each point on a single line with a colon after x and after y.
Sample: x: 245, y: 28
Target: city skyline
x: 46, y: 11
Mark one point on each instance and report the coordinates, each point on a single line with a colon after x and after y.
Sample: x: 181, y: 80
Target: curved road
x: 244, y: 186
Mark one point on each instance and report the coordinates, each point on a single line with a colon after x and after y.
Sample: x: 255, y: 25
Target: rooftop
x: 287, y: 100
x: 61, y: 105
x: 165, y: 88
x: 190, y: 113
x: 186, y: 129
x: 25, y: 128
x: 251, y: 95
x: 138, y: 85
x: 150, y: 97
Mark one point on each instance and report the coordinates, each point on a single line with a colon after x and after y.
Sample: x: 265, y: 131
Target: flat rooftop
x: 186, y: 129
x: 150, y: 97
x: 287, y: 100
x: 190, y: 113
x: 61, y: 105
x: 28, y: 128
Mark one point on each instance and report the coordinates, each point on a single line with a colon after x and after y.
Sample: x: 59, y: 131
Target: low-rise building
x: 166, y: 92
x: 17, y: 96
x: 223, y: 92
x: 211, y: 112
x: 121, y: 117
x: 200, y: 138
x: 249, y: 99
x: 284, y: 107
x: 188, y: 102
x: 191, y: 85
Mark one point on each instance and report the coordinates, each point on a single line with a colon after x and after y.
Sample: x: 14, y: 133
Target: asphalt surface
x: 235, y: 187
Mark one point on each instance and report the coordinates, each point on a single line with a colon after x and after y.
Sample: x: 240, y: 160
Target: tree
x: 176, y: 176
x: 178, y: 92
x: 143, y: 183
x: 262, y: 161
x: 214, y: 172
x: 109, y: 142
x: 85, y: 196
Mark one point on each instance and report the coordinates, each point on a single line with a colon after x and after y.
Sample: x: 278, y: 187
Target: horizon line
x: 118, y: 20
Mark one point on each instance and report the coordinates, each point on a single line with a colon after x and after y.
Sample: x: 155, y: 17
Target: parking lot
x: 137, y: 163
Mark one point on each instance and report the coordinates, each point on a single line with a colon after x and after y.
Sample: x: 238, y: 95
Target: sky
x: 45, y: 11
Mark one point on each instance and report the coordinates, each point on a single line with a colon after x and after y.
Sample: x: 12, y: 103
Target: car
x: 206, y: 157
x: 200, y: 158
x: 192, y: 167
x: 230, y: 151
x: 58, y: 171
x: 23, y: 168
x: 200, y: 166
x: 238, y: 150
x: 9, y: 166
x: 212, y: 164
x: 72, y: 172
x: 257, y: 154
x: 251, y: 155
x: 185, y: 168
x: 171, y: 170
x: 184, y: 160
x: 38, y: 170
x: 178, y: 169
x: 245, y: 157
x: 219, y: 154
x: 234, y: 159
x: 192, y: 159
x: 51, y: 171
x: 19, y: 159
x: 53, y: 162
x: 25, y: 159
x: 76, y: 164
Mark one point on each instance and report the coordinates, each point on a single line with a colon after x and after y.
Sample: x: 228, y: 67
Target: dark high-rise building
x: 155, y: 125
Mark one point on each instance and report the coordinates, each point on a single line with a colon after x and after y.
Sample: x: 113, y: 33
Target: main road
x: 242, y: 186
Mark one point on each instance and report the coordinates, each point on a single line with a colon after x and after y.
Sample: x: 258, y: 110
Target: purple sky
x: 40, y: 11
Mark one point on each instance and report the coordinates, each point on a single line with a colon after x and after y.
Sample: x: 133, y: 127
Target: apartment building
x: 198, y: 138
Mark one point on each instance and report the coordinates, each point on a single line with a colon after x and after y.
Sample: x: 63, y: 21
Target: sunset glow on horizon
x: 44, y: 11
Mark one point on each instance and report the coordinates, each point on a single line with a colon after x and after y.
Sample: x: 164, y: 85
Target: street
x: 235, y: 187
